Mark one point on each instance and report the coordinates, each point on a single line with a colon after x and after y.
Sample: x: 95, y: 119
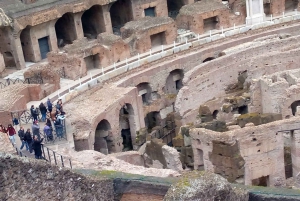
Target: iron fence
x: 166, y: 133
x: 36, y: 79
x: 56, y: 158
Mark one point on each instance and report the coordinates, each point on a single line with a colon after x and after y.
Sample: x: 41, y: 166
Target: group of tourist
x: 33, y: 141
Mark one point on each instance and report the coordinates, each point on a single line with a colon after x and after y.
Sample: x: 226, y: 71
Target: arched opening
x: 5, y: 47
x: 93, y: 22
x: 120, y: 14
x: 174, y: 82
x: 208, y: 59
x: 65, y: 30
x: 174, y: 7
x: 215, y: 114
x: 27, y: 45
x: 291, y: 5
x: 144, y: 90
x: 126, y: 119
x: 294, y: 106
x: 152, y: 120
x: 103, y: 139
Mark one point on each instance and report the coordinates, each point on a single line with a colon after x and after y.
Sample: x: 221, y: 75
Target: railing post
x: 70, y: 163
x: 62, y: 161
x: 43, y: 151
x: 48, y: 155
x: 54, y: 157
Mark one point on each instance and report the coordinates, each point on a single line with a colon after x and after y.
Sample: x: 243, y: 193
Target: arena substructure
x: 227, y: 107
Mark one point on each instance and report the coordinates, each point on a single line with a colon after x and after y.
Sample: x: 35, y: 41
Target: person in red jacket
x: 11, y: 133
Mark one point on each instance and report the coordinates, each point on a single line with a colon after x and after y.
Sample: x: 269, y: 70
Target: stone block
x: 187, y: 141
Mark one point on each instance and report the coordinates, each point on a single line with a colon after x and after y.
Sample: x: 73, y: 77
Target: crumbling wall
x: 37, y: 180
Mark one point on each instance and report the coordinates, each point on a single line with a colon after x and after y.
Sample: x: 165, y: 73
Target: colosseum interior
x: 155, y: 89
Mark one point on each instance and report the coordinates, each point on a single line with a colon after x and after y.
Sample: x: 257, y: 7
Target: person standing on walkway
x: 49, y: 105
x: 16, y: 123
x: 28, y: 139
x: 48, y: 132
x: 37, y: 147
x: 36, y: 129
x: 11, y: 134
x: 43, y: 111
x: 21, y: 134
x: 34, y: 113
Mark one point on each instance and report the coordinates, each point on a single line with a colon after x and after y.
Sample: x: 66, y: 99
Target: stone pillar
x: 295, y: 152
x: 78, y: 25
x: 255, y: 12
x: 17, y: 51
x: 52, y: 36
x: 107, y: 19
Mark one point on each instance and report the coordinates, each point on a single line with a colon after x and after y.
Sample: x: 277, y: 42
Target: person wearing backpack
x: 21, y: 134
x: 48, y: 132
x: 43, y: 111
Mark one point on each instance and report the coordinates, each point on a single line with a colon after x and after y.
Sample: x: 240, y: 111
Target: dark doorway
x: 294, y: 106
x: 44, y: 47
x: 144, y: 90
x: 150, y: 12
x: 174, y: 82
x: 93, y: 22
x: 262, y: 181
x: 103, y: 140
x: 288, y: 163
x: 92, y: 62
x: 210, y: 23
x: 243, y: 109
x: 158, y: 39
x: 152, y: 120
x: 208, y: 59
x: 126, y: 119
x: 65, y: 30
x: 120, y: 13
x: 215, y: 114
x: 267, y: 9
x: 173, y: 7
x: 291, y: 5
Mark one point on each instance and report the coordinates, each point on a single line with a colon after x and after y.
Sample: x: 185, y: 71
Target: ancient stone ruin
x: 152, y: 99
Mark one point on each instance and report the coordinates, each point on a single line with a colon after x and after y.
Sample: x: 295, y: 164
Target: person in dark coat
x: 37, y: 147
x: 21, y: 134
x: 49, y: 105
x: 43, y: 110
x: 34, y: 113
x: 28, y: 139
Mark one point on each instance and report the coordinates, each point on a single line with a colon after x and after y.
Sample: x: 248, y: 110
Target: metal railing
x: 36, y: 79
x: 56, y: 158
x: 166, y: 133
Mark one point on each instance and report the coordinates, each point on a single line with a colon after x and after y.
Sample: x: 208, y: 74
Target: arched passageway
x: 174, y: 82
x: 65, y: 30
x: 27, y: 44
x: 152, y: 120
x: 144, y: 90
x: 291, y: 5
x: 174, y: 7
x: 93, y: 22
x: 294, y: 107
x: 126, y: 120
x: 120, y: 14
x: 103, y: 139
x: 5, y: 47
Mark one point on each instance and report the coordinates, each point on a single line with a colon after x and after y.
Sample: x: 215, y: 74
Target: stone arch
x: 65, y: 30
x: 120, y: 14
x: 215, y: 114
x: 27, y: 46
x: 174, y: 6
x: 93, y: 22
x: 152, y: 120
x: 174, y: 82
x: 294, y: 107
x: 103, y: 139
x: 127, y: 126
x: 144, y: 90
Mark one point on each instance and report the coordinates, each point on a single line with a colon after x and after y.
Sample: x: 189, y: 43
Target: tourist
x: 28, y: 139
x: 48, y: 132
x: 43, y: 111
x: 16, y: 123
x: 58, y: 128
x: 49, y: 105
x: 36, y: 129
x: 11, y: 134
x: 34, y: 113
x: 21, y: 134
x: 48, y: 122
x: 37, y: 147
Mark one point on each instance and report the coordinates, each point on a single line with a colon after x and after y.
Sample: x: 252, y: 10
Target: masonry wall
x: 138, y: 7
x: 37, y: 180
x: 261, y: 148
